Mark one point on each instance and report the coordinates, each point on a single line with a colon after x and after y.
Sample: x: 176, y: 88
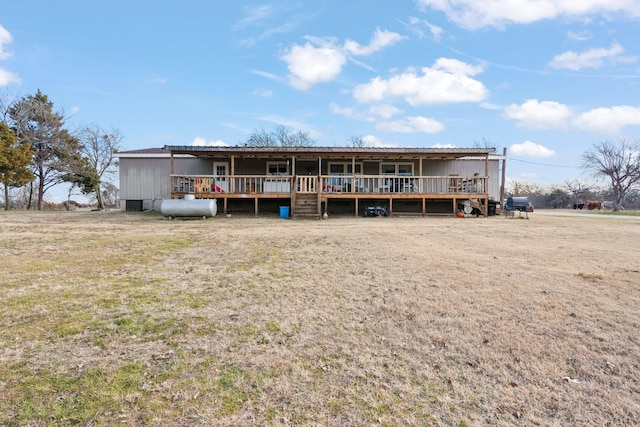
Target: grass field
x: 130, y: 319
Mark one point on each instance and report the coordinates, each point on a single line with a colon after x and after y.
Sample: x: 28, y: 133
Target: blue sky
x: 546, y: 78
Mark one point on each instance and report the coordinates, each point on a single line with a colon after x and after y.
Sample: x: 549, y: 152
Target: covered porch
x: 314, y: 181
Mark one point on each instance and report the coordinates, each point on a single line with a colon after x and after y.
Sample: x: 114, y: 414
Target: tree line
x: 38, y: 152
x: 572, y: 193
x: 616, y: 162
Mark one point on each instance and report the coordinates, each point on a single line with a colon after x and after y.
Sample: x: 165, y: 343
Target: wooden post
x: 353, y: 177
x: 232, y: 185
x: 486, y: 169
x: 294, y: 187
x: 421, y: 160
x: 319, y: 186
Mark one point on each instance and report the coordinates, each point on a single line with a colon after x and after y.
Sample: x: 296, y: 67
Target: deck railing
x: 283, y: 184
x: 403, y: 184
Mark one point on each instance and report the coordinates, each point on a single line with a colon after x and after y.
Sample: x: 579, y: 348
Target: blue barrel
x: 284, y: 211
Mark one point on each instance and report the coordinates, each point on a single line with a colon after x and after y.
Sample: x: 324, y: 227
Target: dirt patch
x: 346, y: 321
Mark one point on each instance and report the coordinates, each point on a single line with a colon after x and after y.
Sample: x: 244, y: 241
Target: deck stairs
x: 478, y: 205
x: 306, y: 206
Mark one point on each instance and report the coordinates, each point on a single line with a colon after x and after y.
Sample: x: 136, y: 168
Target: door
x: 221, y: 177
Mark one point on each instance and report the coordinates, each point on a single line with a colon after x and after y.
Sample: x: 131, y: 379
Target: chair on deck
x: 455, y: 183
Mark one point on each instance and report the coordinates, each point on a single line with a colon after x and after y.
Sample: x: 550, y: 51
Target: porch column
x: 232, y: 187
x: 504, y: 174
x: 421, y: 160
x: 319, y: 186
x: 486, y: 174
x: 294, y: 187
x: 171, y: 178
x: 353, y: 179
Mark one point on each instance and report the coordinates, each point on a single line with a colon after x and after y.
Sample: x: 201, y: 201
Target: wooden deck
x: 311, y: 196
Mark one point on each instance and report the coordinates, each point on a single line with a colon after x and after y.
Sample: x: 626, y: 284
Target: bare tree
x: 485, y: 143
x: 281, y: 136
x: 357, y: 141
x: 619, y: 162
x: 578, y: 189
x: 110, y: 195
x: 524, y: 188
x: 261, y: 138
x: 97, y: 148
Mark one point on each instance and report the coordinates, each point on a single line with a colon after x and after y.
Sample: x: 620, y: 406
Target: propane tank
x: 189, y: 207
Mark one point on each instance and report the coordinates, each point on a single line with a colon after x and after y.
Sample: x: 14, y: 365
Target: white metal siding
x: 148, y: 179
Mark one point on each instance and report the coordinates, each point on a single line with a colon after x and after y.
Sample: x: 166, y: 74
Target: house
x: 314, y: 180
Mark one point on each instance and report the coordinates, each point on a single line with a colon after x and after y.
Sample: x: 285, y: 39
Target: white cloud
x: 412, y: 124
x: 349, y: 113
x: 579, y: 36
x: 7, y: 77
x: 5, y: 39
x: 374, y: 141
x: 380, y: 40
x: 446, y: 82
x: 541, y: 115
x: 531, y: 149
x: 262, y: 92
x: 592, y: 58
x: 455, y: 66
x: 321, y: 60
x: 554, y: 115
x: 201, y: 142
x: 309, y: 65
x: 266, y: 75
x: 254, y: 15
x: 436, y: 31
x: 608, y: 120
x: 386, y: 111
x: 475, y: 14
x: 491, y: 106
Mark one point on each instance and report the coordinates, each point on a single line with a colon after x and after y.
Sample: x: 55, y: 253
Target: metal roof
x: 145, y: 153
x: 345, y: 152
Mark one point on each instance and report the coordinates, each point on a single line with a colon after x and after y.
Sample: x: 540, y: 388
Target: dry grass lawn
x: 131, y: 319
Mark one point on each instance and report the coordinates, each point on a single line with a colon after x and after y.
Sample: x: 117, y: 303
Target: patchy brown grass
x: 114, y: 318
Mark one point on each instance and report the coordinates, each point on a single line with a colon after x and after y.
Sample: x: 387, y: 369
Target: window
x: 277, y: 168
x: 344, y: 168
x: 401, y: 169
